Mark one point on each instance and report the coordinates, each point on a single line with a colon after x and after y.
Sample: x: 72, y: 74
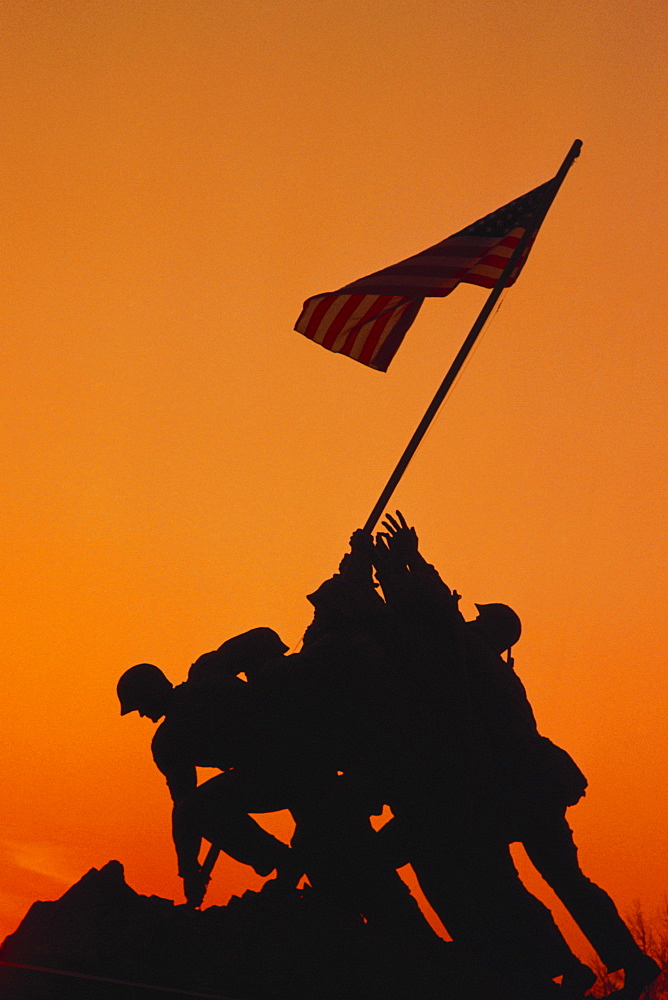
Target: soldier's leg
x: 548, y: 841
x: 342, y: 856
x: 477, y: 892
x: 354, y: 879
x: 218, y: 811
x: 468, y: 876
x: 338, y: 845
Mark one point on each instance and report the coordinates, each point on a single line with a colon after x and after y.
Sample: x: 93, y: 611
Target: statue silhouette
x: 422, y: 773
x: 399, y: 752
x: 267, y: 736
x: 526, y: 781
x: 393, y: 700
x: 350, y: 696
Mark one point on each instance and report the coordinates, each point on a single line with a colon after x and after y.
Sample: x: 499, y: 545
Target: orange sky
x: 177, y: 177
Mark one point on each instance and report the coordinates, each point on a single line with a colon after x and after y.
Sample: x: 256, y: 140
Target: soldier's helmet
x: 236, y: 654
x: 143, y: 685
x: 500, y: 625
x: 256, y: 645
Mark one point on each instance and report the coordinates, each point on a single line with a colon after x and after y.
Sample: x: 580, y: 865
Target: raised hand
x: 401, y: 538
x: 385, y: 557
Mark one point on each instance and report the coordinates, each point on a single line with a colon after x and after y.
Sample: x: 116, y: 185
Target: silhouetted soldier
x: 527, y: 780
x: 403, y: 755
x: 208, y: 724
x: 351, y: 681
x: 466, y: 874
x: 358, y: 702
x: 279, y: 755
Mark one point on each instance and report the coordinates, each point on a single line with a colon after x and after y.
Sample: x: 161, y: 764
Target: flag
x: 368, y: 319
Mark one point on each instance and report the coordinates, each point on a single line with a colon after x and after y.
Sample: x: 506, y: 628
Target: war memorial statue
x: 393, y: 701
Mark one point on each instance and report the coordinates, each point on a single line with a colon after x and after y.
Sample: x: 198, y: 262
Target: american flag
x: 368, y: 319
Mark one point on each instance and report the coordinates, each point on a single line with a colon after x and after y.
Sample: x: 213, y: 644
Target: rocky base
x: 271, y: 945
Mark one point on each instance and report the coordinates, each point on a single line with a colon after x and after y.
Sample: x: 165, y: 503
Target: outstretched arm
x: 402, y: 541
x: 188, y: 843
x: 397, y: 552
x: 181, y: 780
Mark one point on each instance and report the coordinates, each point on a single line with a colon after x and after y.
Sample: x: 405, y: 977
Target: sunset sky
x: 180, y: 465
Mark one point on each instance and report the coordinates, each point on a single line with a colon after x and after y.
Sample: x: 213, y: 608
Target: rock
x: 271, y: 945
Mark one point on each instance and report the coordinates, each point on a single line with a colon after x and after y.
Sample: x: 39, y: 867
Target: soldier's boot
x: 577, y: 981
x: 638, y: 974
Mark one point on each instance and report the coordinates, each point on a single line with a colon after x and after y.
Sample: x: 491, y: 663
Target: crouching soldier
x: 206, y: 725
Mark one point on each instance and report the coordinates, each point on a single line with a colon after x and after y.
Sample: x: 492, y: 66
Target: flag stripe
x: 394, y: 335
x: 311, y: 314
x: 380, y: 329
x: 326, y: 315
x: 367, y: 309
x: 361, y: 322
x: 342, y: 310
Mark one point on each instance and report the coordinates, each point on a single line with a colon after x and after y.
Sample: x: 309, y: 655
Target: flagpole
x: 474, y: 332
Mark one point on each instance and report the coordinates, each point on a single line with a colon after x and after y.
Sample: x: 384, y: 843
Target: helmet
x: 141, y: 685
x: 257, y: 644
x: 500, y: 625
x: 235, y: 654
